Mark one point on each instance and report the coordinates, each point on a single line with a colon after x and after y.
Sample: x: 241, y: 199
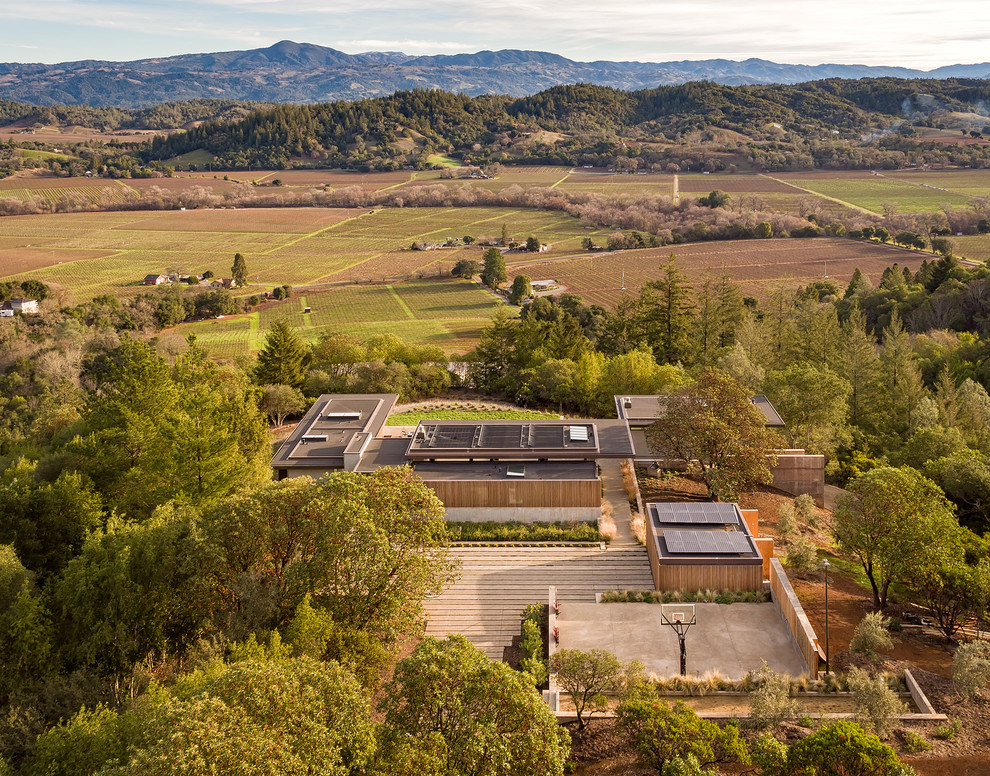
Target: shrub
x: 804, y: 506
x: 913, y: 742
x: 638, y: 527
x: 662, y: 733
x: 802, y: 556
x: 842, y: 749
x: 787, y: 525
x: 771, y: 703
x: 971, y: 667
x: 948, y: 731
x: 871, y: 634
x: 876, y: 704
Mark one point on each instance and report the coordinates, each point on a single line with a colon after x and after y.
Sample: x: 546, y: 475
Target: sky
x: 912, y: 33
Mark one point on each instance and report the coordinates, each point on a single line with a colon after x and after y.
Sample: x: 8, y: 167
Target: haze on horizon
x: 911, y: 33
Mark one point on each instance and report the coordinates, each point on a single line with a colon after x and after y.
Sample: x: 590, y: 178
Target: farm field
x: 446, y: 312
x: 970, y: 183
x: 618, y: 185
x: 110, y: 253
x: 975, y: 247
x: 757, y: 266
x: 866, y: 190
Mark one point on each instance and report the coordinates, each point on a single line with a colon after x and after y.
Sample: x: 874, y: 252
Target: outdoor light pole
x: 828, y: 668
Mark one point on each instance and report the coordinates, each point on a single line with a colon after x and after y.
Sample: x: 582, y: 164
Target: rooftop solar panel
x: 451, y: 436
x: 506, y: 437
x: 691, y: 513
x: 706, y: 543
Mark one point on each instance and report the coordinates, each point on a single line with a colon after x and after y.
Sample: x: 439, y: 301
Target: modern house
x: 796, y: 471
x: 527, y: 470
x: 25, y: 306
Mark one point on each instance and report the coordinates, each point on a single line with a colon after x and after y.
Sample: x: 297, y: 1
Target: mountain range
x: 306, y: 73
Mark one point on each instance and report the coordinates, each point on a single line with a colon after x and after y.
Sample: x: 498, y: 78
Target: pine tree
x: 902, y: 383
x: 861, y: 367
x: 283, y: 358
x: 493, y: 273
x: 666, y: 314
x: 239, y: 271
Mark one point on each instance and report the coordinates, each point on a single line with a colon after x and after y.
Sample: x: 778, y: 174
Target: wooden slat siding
x: 765, y: 546
x: 792, y: 611
x: 521, y: 493
x: 752, y: 518
x: 710, y: 577
x: 651, y: 550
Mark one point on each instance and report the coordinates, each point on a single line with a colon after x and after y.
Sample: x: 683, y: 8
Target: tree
x: 533, y: 244
x: 842, y: 749
x: 898, y: 524
x: 466, y: 268
x: 505, y: 235
x: 815, y: 402
x: 715, y: 426
x: 764, y: 230
x: 954, y: 593
x: 661, y: 732
x: 280, y: 401
x: 714, y: 199
x: 132, y: 591
x: 665, y: 314
x: 450, y: 710
x: 266, y: 714
x: 871, y: 634
x: 521, y: 289
x: 493, y: 273
x: 971, y: 667
x: 771, y: 703
x: 367, y: 548
x: 877, y: 706
x: 283, y: 358
x: 493, y: 356
x: 239, y: 271
x: 586, y: 677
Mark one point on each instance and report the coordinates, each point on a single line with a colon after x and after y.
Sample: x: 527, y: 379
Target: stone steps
x: 496, y: 584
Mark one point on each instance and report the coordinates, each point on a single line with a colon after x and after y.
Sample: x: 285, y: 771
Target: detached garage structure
x: 702, y: 546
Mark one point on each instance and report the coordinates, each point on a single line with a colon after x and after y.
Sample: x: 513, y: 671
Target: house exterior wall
x: 522, y: 514
x: 716, y: 575
x: 518, y: 494
x: 797, y: 472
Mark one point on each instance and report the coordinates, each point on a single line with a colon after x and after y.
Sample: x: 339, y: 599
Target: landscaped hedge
x: 698, y: 596
x: 525, y: 532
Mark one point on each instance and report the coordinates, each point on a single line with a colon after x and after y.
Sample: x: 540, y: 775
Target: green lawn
x: 414, y: 418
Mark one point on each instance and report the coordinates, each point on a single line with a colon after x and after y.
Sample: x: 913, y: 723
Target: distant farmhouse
x: 24, y: 306
x: 154, y: 280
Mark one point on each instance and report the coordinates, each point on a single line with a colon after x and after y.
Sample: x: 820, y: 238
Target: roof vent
x: 313, y: 438
x: 627, y: 403
x: 515, y: 470
x: 578, y: 433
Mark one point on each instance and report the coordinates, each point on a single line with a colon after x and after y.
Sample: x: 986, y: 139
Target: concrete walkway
x: 615, y: 494
x: 497, y: 583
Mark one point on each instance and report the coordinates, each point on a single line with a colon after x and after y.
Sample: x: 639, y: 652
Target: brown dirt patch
x: 14, y: 261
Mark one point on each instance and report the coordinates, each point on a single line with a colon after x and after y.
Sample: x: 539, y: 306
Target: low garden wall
x: 793, y: 613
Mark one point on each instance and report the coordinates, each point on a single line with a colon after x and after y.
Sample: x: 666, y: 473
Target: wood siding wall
x: 792, y: 611
x: 710, y: 576
x: 518, y: 493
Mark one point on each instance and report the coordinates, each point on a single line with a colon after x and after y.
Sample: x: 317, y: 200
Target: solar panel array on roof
x: 506, y: 437
x: 706, y: 543
x: 546, y: 436
x: 701, y: 513
x: 452, y: 436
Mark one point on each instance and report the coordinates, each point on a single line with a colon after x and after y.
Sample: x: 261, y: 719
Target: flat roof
x: 693, y: 533
x: 320, y: 439
x: 643, y: 410
x: 520, y: 440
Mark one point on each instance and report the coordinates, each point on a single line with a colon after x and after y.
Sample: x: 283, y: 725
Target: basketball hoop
x: 679, y: 617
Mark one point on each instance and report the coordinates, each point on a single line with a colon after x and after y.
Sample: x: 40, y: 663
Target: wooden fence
x: 792, y: 611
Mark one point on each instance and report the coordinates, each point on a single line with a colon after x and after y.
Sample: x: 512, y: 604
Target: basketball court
x: 731, y: 639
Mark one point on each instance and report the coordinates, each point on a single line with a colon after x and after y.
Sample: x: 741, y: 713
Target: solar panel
x: 706, y: 543
x: 695, y: 513
x: 546, y: 437
x: 509, y: 437
x: 452, y: 436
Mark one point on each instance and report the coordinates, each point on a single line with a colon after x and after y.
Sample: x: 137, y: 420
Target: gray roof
x: 643, y: 410
x: 332, y: 423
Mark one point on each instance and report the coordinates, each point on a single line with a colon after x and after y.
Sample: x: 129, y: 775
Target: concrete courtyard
x: 731, y: 639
